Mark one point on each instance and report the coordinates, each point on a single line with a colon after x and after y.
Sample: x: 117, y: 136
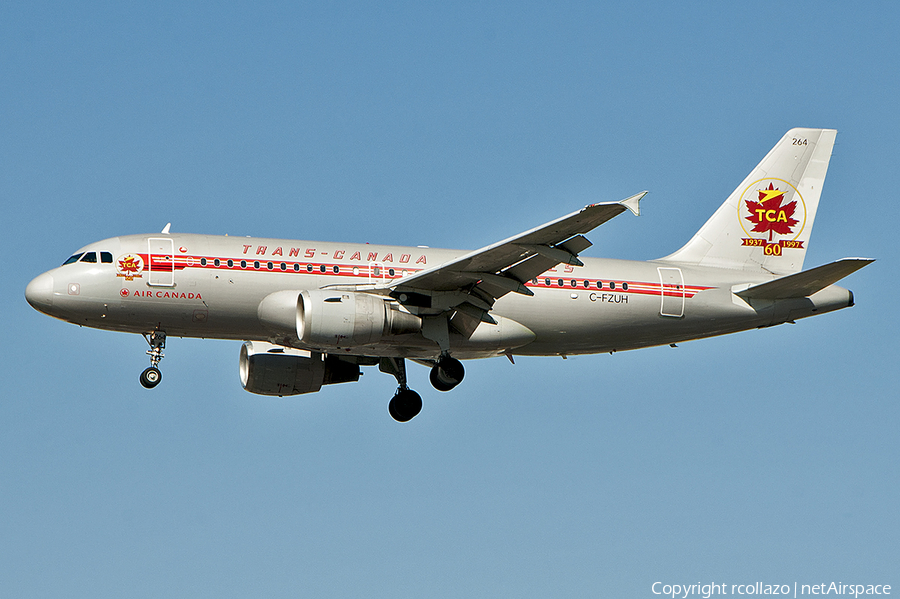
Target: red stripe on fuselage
x: 367, y: 271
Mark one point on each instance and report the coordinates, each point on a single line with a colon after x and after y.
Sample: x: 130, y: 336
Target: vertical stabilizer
x: 766, y: 223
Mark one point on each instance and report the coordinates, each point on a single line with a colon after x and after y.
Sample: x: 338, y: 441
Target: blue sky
x: 764, y: 456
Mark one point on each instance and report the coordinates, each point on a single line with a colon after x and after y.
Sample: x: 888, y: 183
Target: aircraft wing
x: 804, y: 284
x: 505, y: 266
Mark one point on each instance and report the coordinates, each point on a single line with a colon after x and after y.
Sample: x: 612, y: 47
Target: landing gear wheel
x: 151, y: 377
x: 447, y: 374
x: 405, y: 405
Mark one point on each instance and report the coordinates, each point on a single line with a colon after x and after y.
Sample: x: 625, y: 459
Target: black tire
x: 151, y: 377
x: 447, y: 374
x: 435, y: 377
x: 405, y: 405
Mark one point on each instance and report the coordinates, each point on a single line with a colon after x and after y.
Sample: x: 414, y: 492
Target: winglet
x: 632, y: 203
x: 166, y: 228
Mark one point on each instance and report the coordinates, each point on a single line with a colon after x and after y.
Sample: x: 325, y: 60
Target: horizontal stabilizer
x: 806, y: 283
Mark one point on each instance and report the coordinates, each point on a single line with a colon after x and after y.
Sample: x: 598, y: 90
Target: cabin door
x: 671, y: 289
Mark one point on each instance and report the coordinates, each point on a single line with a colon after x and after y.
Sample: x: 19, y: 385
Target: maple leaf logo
x: 129, y: 264
x: 770, y: 215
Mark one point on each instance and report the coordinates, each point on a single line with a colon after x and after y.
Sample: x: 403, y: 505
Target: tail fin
x: 765, y: 224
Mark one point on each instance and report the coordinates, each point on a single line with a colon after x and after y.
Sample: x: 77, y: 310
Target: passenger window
x: 105, y: 257
x: 72, y: 259
x: 89, y: 257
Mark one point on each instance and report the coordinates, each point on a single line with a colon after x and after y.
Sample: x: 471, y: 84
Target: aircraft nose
x: 39, y: 292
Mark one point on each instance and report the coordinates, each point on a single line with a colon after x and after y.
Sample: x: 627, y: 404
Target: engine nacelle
x: 268, y: 369
x: 332, y: 319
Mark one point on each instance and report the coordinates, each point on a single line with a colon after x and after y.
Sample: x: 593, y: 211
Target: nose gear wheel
x: 151, y: 377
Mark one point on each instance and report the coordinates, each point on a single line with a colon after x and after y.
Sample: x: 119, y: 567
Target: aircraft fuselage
x: 211, y: 287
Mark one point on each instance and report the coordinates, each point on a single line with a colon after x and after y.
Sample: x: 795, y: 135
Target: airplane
x: 314, y: 313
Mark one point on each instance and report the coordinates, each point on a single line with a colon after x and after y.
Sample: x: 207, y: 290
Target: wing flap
x: 531, y: 267
x: 542, y: 261
x: 806, y: 283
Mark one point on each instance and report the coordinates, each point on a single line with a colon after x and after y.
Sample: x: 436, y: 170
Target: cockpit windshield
x: 90, y: 257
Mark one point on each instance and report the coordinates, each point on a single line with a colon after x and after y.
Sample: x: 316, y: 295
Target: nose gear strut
x: 151, y: 377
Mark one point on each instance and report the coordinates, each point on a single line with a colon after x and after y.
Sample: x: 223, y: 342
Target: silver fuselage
x: 184, y: 285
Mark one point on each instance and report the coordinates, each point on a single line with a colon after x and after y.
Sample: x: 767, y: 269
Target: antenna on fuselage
x: 166, y: 228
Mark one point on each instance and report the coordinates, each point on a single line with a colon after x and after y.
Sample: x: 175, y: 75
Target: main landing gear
x: 151, y: 377
x: 446, y: 374
x: 406, y: 403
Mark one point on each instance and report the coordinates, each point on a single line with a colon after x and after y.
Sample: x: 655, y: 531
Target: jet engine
x: 268, y: 369
x: 333, y: 319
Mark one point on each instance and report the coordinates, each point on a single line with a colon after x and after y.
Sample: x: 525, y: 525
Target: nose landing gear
x: 152, y: 376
